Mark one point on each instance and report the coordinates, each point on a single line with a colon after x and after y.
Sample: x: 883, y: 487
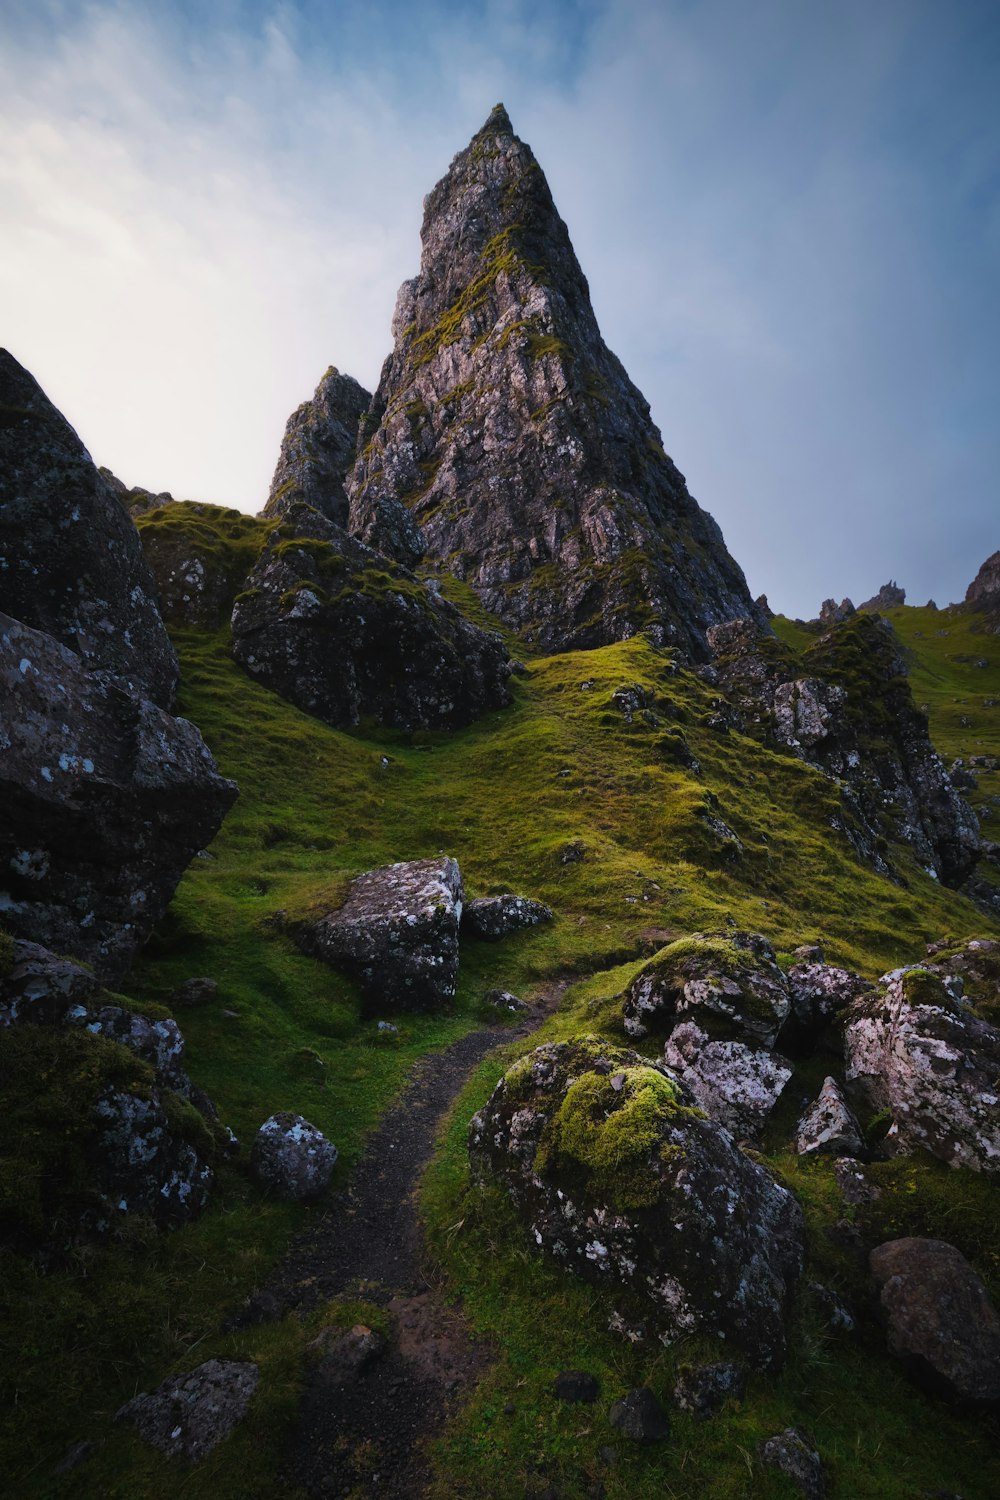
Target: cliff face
x: 507, y: 442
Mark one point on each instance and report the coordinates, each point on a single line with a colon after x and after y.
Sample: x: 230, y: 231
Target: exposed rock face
x: 889, y: 596
x: 728, y: 982
x: 845, y: 706
x: 984, y: 590
x: 831, y: 613
x: 829, y: 1125
x: 292, y: 1158
x: 508, y: 442
x: 623, y: 1181
x: 940, y: 1320
x: 913, y: 1050
x: 189, y: 1415
x: 496, y: 917
x: 137, y: 501
x: 819, y: 993
x: 107, y: 800
x: 72, y: 563
x: 200, y: 556
x: 735, y: 1084
x: 345, y: 634
x: 397, y: 934
x: 319, y: 448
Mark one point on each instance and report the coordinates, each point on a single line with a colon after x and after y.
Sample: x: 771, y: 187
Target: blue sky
x: 788, y: 211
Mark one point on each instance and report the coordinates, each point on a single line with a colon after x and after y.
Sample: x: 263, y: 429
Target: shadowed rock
x: 189, y: 1415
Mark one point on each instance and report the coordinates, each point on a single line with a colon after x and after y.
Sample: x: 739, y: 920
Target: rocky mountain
x: 507, y: 443
x: 984, y: 590
x: 889, y: 596
x: 319, y: 448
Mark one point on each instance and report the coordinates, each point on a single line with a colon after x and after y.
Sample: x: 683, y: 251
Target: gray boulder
x: 397, y: 934
x: 728, y: 982
x: 496, y: 917
x: 189, y: 1415
x: 319, y: 448
x: 819, y: 992
x: 640, y: 1417
x: 735, y: 1084
x: 829, y: 1125
x: 622, y: 1179
x: 41, y: 989
x: 791, y: 1455
x: 703, y: 1390
x: 912, y: 1049
x: 292, y: 1158
x: 940, y: 1320
x: 144, y: 1165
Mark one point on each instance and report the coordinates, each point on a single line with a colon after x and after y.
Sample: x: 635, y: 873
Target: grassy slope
x: 505, y: 797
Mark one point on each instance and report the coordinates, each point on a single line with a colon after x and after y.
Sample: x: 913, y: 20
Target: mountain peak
x: 497, y: 123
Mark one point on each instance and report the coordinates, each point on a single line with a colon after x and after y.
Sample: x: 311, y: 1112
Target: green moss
x: 6, y: 953
x: 185, y: 1121
x: 323, y: 555
x: 924, y: 988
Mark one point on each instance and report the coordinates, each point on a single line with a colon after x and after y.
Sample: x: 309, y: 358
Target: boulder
x: 189, y: 1415
x: 829, y: 1125
x: 506, y: 441
x: 819, y: 992
x: 728, y: 982
x: 939, y: 1319
x: 621, y: 1178
x: 970, y: 970
x: 144, y: 1164
x: 912, y: 1049
x: 791, y: 1455
x: 292, y: 1158
x: 73, y: 567
x: 640, y: 1417
x: 343, y: 1354
x: 576, y: 1385
x: 37, y: 987
x: 397, y: 934
x: 496, y: 917
x: 107, y: 799
x: 703, y: 1390
x: 346, y: 634
x: 735, y: 1084
x: 319, y: 448
x: 200, y: 556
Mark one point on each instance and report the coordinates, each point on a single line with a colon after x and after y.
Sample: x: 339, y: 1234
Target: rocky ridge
x: 507, y: 442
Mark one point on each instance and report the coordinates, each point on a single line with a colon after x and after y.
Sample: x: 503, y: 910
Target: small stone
x: 791, y: 1454
x: 496, y: 917
x: 829, y: 1125
x: 703, y: 1390
x: 576, y: 1385
x: 345, y: 1354
x: 640, y: 1417
x: 504, y: 1000
x: 292, y: 1157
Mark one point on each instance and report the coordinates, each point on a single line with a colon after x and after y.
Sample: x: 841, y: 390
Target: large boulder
x: 622, y: 1179
x: 914, y: 1050
x: 319, y: 448
x: 397, y: 934
x: 940, y: 1320
x: 292, y: 1158
x: 728, y: 982
x: 189, y: 1415
x: 345, y: 634
x: 819, y: 993
x: 735, y: 1084
x: 507, y: 441
x: 496, y: 917
x: 72, y: 563
x: 107, y: 799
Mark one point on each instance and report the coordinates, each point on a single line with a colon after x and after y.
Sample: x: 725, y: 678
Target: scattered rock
x: 397, y: 934
x: 829, y: 1125
x: 640, y: 1417
x: 572, y: 853
x: 190, y: 1415
x: 292, y: 1158
x: 703, y: 1390
x: 792, y: 1456
x: 729, y: 982
x: 913, y: 1050
x: 319, y: 448
x: 504, y: 1000
x: 735, y: 1084
x: 576, y: 1385
x: 839, y: 1318
x: 495, y: 917
x: 940, y: 1320
x: 621, y: 1179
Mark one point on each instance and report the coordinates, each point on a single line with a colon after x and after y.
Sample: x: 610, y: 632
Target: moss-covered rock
x: 729, y: 982
x: 200, y: 556
x: 623, y: 1179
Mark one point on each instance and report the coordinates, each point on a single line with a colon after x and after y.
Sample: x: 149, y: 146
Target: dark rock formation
x: 397, y: 934
x: 640, y: 1417
x: 912, y: 1049
x: 819, y: 993
x: 576, y: 1385
x: 72, y: 564
x: 984, y: 590
x: 831, y: 613
x: 137, y: 501
x: 345, y: 634
x: 728, y: 982
x: 970, y: 969
x: 829, y: 1125
x: 939, y: 1319
x: 292, y: 1158
x: 889, y: 596
x: 846, y: 707
x: 622, y: 1180
x: 703, y: 1390
x: 791, y: 1455
x: 107, y: 799
x: 200, y: 556
x: 319, y: 448
x: 189, y: 1415
x: 496, y: 917
x: 508, y: 442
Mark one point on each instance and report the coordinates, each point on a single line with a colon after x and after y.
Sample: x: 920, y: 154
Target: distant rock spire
x: 319, y: 448
x: 507, y: 442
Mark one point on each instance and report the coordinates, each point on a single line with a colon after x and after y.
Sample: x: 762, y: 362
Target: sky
x: 788, y: 212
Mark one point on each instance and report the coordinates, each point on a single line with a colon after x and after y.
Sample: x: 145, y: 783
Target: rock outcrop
x: 728, y: 982
x: 889, y: 596
x: 507, y: 442
x: 345, y: 634
x: 319, y: 448
x: 189, y: 1415
x: 397, y: 934
x: 621, y: 1179
x: 72, y: 564
x: 107, y: 799
x: 137, y: 500
x: 846, y: 707
x: 983, y: 592
x: 200, y: 556
x: 292, y: 1158
x: 496, y: 917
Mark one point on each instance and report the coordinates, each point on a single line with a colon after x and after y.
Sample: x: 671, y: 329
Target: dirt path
x: 362, y: 1432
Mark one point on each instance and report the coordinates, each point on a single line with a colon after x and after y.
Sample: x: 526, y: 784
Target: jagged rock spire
x: 507, y: 441
x: 319, y: 448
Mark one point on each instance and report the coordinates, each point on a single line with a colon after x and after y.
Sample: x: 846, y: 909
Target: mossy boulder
x: 623, y: 1179
x: 729, y: 982
x: 200, y: 556
x: 975, y: 964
